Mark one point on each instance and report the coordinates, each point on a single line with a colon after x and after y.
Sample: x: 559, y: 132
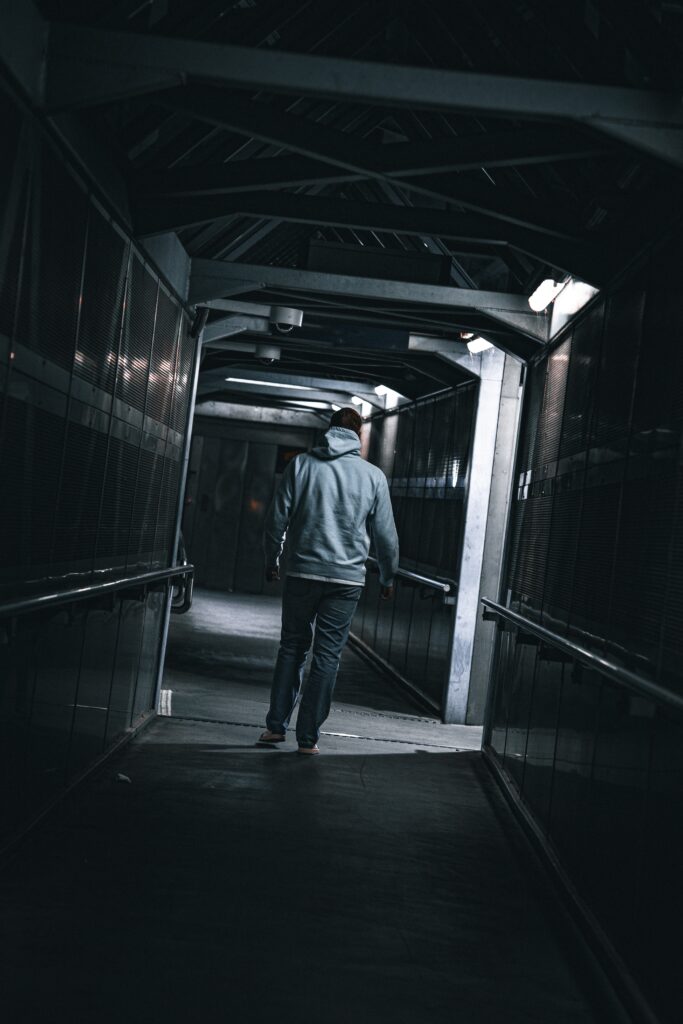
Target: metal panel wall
x: 232, y: 478
x: 95, y: 361
x: 424, y: 449
x: 596, y: 552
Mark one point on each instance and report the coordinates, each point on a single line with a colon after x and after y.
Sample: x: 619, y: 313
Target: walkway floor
x: 226, y: 882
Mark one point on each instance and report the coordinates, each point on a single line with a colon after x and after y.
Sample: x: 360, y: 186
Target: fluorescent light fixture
x: 381, y: 390
x: 574, y: 297
x: 308, y: 405
x: 478, y: 345
x: 269, y: 384
x: 546, y: 292
x: 356, y: 400
x: 336, y: 407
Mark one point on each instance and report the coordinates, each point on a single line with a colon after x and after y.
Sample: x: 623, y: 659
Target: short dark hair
x: 348, y: 418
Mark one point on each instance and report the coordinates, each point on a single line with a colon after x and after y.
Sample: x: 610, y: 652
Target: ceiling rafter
x: 572, y: 256
x: 87, y: 66
x: 397, y: 160
x: 210, y: 278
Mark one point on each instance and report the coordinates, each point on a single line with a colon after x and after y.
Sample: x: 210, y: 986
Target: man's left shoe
x: 271, y: 737
x: 308, y: 750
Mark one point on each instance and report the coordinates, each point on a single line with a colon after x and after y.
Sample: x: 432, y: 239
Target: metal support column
x: 483, y: 530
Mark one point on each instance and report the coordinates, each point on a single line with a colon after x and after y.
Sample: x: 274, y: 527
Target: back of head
x: 347, y: 418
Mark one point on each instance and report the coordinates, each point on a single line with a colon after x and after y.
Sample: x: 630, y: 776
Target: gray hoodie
x: 330, y: 504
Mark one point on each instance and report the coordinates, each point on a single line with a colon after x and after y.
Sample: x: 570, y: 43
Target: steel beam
x: 210, y: 278
x: 402, y: 160
x: 88, y: 65
x: 236, y: 324
x: 356, y: 156
x: 572, y: 256
x: 258, y: 414
x: 284, y: 394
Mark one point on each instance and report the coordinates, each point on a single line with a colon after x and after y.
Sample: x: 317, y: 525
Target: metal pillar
x: 485, y: 515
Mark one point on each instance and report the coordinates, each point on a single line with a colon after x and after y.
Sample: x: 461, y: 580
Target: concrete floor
x: 226, y: 882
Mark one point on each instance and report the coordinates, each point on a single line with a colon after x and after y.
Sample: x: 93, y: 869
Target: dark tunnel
x: 442, y: 237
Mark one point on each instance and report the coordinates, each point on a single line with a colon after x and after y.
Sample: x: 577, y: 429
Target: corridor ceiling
x: 400, y: 166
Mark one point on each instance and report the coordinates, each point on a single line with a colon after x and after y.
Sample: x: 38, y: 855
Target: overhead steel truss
x: 87, y: 66
x: 213, y: 279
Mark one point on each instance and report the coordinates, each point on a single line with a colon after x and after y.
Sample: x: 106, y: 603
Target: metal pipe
x: 196, y: 333
x: 57, y: 598
x: 641, y: 685
x: 445, y: 588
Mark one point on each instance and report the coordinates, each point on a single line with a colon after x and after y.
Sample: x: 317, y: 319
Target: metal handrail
x: 611, y: 669
x: 445, y: 588
x: 61, y: 597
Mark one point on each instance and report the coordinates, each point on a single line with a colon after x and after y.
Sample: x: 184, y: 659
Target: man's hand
x: 386, y: 593
x: 272, y: 574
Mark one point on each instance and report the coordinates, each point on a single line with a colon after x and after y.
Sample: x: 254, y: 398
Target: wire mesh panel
x: 182, y: 381
x: 136, y: 341
x: 80, y: 489
x: 55, y: 252
x: 83, y: 487
x: 425, y: 450
x: 118, y: 495
x: 102, y: 300
x: 14, y: 183
x: 599, y: 766
x: 163, y: 359
x: 30, y: 461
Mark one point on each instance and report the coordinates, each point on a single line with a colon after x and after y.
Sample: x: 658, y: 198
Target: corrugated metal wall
x: 95, y: 363
x: 596, y: 552
x: 234, y: 471
x: 424, y: 449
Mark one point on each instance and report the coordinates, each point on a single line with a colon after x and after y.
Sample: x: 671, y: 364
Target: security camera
x: 284, y: 318
x: 267, y: 354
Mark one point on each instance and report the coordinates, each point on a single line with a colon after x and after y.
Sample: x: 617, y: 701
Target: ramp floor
x: 384, y: 881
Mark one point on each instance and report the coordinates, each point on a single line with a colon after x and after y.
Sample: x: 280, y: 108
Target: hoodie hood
x: 338, y: 441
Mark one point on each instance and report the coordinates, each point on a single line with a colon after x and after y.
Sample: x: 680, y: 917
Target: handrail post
x: 163, y: 642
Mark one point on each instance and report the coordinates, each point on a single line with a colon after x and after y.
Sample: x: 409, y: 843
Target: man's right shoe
x: 271, y: 737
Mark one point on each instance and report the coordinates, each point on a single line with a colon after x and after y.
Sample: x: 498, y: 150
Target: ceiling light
x: 478, y: 345
x: 381, y: 390
x: 574, y: 297
x: 309, y: 405
x: 269, y: 384
x: 356, y: 400
x: 336, y: 407
x: 546, y: 292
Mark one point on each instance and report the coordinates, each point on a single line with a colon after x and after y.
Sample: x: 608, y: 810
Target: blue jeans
x: 331, y: 607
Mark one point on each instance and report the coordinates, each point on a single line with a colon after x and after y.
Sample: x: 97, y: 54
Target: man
x: 329, y: 504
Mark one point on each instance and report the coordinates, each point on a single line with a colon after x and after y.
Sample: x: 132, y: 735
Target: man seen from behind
x: 329, y: 505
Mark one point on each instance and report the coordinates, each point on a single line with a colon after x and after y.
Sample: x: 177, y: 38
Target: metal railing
x: 61, y: 597
x: 612, y: 670
x: 446, y: 587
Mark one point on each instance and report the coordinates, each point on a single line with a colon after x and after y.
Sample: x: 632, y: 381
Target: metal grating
x: 102, y: 303
x: 51, y: 284
x: 136, y: 342
x: 14, y: 189
x: 162, y: 369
